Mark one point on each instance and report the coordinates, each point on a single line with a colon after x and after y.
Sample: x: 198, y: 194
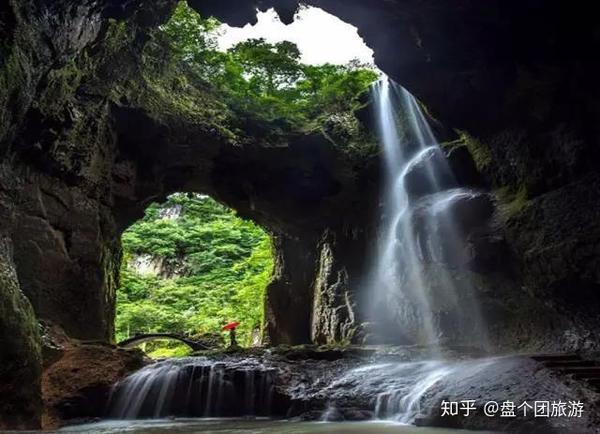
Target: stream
x: 380, y: 393
x: 264, y: 426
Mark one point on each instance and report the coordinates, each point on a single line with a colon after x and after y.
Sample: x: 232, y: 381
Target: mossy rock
x: 481, y: 152
x: 20, y: 355
x: 511, y: 202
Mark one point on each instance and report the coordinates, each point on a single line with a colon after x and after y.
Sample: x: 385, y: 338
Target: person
x: 232, y: 338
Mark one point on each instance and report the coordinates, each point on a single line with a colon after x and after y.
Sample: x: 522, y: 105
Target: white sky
x: 320, y: 36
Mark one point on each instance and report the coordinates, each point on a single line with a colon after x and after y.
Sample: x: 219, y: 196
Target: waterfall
x: 194, y: 387
x: 413, y: 297
x: 412, y: 294
x: 398, y: 390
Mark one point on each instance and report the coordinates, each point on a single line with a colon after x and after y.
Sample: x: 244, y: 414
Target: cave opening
x: 264, y: 116
x: 274, y: 79
x: 190, y: 266
x: 320, y: 36
x: 106, y: 107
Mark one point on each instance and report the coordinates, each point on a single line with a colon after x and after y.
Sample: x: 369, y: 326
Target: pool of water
x: 238, y: 426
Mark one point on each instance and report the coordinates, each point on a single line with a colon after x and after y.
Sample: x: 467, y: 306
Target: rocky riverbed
x: 399, y: 384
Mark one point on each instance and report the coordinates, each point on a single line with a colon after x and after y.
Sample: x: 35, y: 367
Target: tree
x: 264, y: 82
x: 222, y: 265
x: 192, y: 38
x: 272, y: 68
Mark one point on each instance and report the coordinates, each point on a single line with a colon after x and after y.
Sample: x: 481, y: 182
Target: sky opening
x: 320, y: 36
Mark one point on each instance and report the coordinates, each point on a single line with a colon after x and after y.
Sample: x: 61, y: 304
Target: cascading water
x: 412, y: 294
x: 397, y: 390
x: 420, y: 236
x: 194, y: 387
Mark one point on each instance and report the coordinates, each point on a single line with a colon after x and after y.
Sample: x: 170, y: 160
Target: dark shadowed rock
x: 20, y: 357
x: 463, y: 167
x: 428, y: 173
x: 464, y: 211
x: 472, y: 210
x: 86, y: 142
x: 77, y: 386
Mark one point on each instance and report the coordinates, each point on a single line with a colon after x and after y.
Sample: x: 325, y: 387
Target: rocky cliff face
x: 519, y: 78
x: 20, y: 358
x: 90, y: 133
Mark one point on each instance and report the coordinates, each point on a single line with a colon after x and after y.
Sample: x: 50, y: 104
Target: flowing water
x: 232, y: 426
x: 379, y: 389
x: 420, y: 240
x: 398, y: 389
x: 194, y: 387
x: 418, y: 230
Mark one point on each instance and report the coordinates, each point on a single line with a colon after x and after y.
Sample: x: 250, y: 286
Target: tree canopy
x: 209, y: 267
x: 206, y: 266
x: 262, y: 81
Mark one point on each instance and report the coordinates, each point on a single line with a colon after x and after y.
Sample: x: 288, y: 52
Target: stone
x: 428, y: 173
x: 471, y: 210
x: 74, y: 173
x: 211, y: 341
x: 464, y: 213
x: 333, y: 318
x: 54, y: 343
x: 463, y: 167
x: 555, y: 238
x: 20, y: 355
x: 77, y: 386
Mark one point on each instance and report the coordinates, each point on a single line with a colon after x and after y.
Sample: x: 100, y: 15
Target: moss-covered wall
x: 91, y: 130
x: 20, y: 353
x: 110, y: 123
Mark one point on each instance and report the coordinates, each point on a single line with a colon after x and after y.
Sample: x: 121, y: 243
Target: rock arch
x: 78, y: 187
x: 519, y: 76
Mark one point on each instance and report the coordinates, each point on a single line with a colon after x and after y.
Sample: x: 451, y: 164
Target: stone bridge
x: 141, y: 338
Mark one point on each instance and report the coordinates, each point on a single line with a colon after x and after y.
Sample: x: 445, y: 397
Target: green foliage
x: 190, y: 36
x: 214, y: 268
x: 267, y: 87
x: 512, y: 202
x: 480, y: 152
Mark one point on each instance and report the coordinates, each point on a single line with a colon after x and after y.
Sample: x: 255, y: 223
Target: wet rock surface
x: 74, y: 173
x: 76, y: 387
x: 419, y: 180
x: 319, y: 383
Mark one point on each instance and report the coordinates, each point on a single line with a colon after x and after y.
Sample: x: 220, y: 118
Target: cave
x: 95, y: 126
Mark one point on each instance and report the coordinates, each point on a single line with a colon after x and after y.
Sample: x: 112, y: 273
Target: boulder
x: 77, y: 386
x: 471, y: 210
x: 463, y: 167
x: 428, y: 173
x: 449, y: 218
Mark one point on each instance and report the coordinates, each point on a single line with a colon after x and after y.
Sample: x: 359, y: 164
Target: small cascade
x: 329, y: 414
x: 194, y: 387
x: 412, y: 297
x: 398, y: 390
x: 410, y: 288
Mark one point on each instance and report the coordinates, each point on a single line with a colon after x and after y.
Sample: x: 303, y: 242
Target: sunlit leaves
x: 223, y: 267
x: 265, y: 82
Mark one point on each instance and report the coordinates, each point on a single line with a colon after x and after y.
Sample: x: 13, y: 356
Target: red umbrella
x: 231, y: 326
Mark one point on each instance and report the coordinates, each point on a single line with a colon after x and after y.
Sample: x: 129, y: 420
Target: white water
x: 194, y: 387
x: 417, y: 231
x: 399, y: 389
